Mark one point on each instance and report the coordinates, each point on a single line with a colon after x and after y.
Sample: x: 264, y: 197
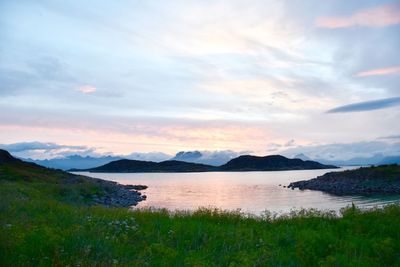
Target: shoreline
x: 114, y: 194
x: 364, y: 181
x: 77, y: 171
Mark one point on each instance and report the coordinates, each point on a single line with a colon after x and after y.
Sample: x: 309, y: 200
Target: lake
x: 252, y: 192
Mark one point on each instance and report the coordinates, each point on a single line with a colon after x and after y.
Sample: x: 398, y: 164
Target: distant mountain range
x: 74, y: 162
x: 241, y: 163
x: 213, y: 158
x: 390, y: 160
x: 377, y: 159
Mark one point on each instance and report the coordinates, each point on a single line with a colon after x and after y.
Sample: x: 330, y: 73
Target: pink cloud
x: 379, y: 16
x: 382, y: 71
x: 86, y: 89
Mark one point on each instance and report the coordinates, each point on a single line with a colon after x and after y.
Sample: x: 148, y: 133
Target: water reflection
x: 251, y: 192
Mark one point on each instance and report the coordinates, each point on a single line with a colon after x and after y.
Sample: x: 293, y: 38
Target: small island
x: 375, y: 180
x: 241, y: 163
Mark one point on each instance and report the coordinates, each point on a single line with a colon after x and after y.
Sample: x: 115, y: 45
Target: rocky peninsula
x: 375, y: 180
x: 113, y: 194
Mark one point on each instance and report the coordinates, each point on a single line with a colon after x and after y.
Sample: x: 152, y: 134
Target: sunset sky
x: 258, y: 76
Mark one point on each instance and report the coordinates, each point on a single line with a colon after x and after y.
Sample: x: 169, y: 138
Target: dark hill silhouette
x: 242, y: 163
x: 126, y: 165
x: 6, y: 157
x: 270, y: 163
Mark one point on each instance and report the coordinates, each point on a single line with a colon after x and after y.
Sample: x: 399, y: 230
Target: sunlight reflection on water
x: 252, y: 192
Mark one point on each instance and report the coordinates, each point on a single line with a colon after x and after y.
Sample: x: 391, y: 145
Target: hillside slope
x: 66, y: 186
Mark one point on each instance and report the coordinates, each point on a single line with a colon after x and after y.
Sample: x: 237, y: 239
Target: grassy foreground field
x: 46, y: 223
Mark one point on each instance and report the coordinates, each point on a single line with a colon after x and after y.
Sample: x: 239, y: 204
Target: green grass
x: 381, y: 172
x: 44, y: 222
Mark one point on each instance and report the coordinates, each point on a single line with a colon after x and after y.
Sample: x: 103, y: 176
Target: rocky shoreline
x: 381, y: 180
x: 116, y: 195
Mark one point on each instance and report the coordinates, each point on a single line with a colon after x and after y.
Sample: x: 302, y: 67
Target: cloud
x: 272, y: 147
x: 368, y: 105
x: 382, y: 71
x: 86, y: 89
x: 345, y: 151
x: 149, y: 156
x: 290, y: 143
x: 390, y: 137
x: 46, y: 150
x: 215, y: 158
x: 199, y: 75
x: 28, y: 146
x: 378, y: 16
x: 45, y: 72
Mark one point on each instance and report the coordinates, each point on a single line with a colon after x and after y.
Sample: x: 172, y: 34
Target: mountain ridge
x: 241, y: 163
x: 127, y: 165
x: 271, y: 162
x: 377, y: 159
x: 73, y: 161
x: 5, y: 157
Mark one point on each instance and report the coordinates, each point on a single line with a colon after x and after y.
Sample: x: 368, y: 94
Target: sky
x: 166, y: 76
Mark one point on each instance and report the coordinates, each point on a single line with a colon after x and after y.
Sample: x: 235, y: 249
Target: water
x: 252, y: 192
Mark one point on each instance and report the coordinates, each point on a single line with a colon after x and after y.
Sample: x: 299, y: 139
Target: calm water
x: 251, y: 192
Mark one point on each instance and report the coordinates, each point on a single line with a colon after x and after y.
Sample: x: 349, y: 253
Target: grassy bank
x: 46, y: 223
